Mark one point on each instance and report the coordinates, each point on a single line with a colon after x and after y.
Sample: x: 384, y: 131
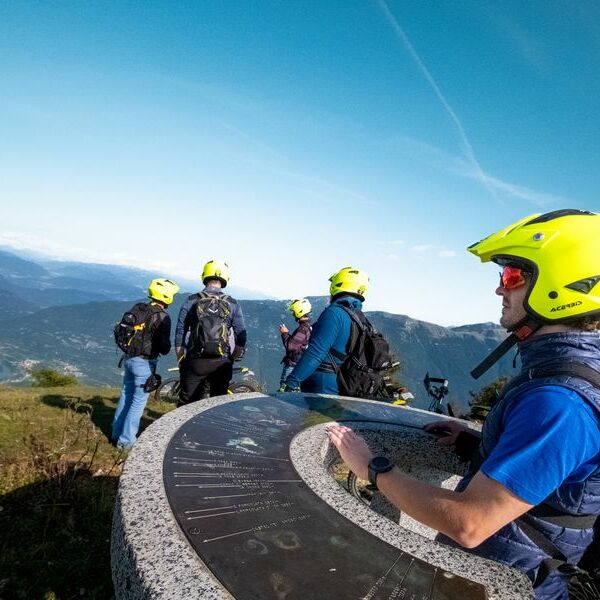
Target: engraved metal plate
x: 262, y: 531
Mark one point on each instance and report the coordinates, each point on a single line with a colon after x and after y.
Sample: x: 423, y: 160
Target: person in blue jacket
x: 532, y: 495
x: 328, y: 346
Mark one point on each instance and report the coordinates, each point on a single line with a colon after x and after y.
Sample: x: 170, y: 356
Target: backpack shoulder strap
x: 574, y: 369
x: 557, y: 561
x: 570, y: 369
x: 228, y: 301
x: 357, y: 327
x: 203, y: 298
x: 357, y: 316
x: 155, y: 310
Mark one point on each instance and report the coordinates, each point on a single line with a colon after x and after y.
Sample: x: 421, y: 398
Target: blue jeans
x: 287, y: 369
x: 133, y: 400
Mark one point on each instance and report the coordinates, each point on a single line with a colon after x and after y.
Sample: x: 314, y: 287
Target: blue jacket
x: 331, y: 331
x: 236, y: 319
x: 575, y: 495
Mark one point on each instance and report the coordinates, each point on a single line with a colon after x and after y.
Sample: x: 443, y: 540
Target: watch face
x: 380, y: 462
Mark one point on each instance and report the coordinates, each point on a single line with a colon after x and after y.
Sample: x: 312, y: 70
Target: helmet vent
x: 557, y: 214
x: 584, y: 286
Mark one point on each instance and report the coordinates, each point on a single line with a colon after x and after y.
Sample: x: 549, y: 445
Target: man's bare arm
x: 468, y: 517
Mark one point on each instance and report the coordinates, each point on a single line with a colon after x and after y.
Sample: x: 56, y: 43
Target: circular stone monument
x: 233, y: 497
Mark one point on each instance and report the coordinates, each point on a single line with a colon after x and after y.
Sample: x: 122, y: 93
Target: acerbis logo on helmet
x: 570, y: 305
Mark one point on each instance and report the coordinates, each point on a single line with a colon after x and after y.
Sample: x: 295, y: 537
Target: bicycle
x: 391, y: 391
x: 437, y: 392
x: 168, y: 390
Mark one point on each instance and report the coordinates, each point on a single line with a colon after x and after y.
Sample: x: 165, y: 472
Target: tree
x: 45, y: 377
x: 486, y: 397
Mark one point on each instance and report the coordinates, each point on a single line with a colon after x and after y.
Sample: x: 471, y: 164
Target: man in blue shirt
x: 531, y: 498
x: 328, y: 346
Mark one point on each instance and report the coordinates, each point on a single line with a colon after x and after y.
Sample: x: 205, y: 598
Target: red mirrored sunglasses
x: 512, y: 277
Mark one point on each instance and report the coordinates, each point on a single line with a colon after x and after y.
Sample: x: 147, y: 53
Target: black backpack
x: 132, y: 333
x: 210, y: 329
x: 362, y: 373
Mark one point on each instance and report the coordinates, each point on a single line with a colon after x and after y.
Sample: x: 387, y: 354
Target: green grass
x: 58, y: 480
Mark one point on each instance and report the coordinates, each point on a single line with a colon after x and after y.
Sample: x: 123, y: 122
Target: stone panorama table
x: 233, y: 497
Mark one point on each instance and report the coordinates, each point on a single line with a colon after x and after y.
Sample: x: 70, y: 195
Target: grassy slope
x: 58, y: 479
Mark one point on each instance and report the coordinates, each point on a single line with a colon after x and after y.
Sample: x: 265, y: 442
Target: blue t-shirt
x: 551, y: 436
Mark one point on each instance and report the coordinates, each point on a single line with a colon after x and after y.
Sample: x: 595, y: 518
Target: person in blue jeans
x: 329, y: 341
x: 531, y: 498
x: 295, y: 343
x: 151, y: 339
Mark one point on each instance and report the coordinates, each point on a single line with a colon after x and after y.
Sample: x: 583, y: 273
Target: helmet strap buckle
x: 522, y: 331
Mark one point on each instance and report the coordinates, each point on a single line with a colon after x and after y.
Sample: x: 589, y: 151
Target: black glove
x: 466, y: 445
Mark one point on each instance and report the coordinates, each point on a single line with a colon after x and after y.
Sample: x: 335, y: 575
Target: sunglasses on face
x: 512, y: 277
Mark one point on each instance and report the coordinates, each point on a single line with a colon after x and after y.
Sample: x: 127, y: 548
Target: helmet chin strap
x: 520, y: 332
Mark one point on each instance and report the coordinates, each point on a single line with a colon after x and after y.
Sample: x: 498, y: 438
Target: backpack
x: 132, y: 333
x: 210, y: 330
x: 362, y: 373
x: 292, y: 356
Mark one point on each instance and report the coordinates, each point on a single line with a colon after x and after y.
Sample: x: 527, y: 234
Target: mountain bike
x: 393, y: 392
x: 168, y: 390
x: 436, y: 392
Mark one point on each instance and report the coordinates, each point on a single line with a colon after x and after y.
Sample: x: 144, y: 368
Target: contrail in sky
x: 464, y: 141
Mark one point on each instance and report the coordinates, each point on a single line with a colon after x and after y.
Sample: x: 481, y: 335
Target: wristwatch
x: 378, y: 464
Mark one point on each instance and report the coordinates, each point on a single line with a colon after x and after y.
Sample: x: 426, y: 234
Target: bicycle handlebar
x: 245, y: 370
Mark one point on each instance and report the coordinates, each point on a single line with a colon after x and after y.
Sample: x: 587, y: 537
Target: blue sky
x: 295, y: 138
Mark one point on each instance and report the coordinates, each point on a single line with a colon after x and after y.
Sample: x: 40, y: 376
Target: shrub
x: 43, y: 377
x: 486, y: 398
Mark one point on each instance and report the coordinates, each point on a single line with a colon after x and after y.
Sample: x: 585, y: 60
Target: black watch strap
x: 377, y: 465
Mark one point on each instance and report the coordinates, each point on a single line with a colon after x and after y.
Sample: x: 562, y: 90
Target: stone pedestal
x: 233, y: 497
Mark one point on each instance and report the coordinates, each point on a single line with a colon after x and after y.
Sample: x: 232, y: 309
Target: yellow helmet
x: 163, y: 290
x: 217, y: 269
x: 349, y: 280
x: 300, y: 308
x: 562, y: 251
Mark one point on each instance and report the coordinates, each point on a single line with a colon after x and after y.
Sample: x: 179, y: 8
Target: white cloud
x: 469, y: 165
x: 391, y: 243
x: 59, y: 251
x: 422, y: 247
x: 446, y: 253
x: 541, y: 199
x: 272, y: 160
x: 22, y: 241
x: 466, y: 146
x: 459, y: 166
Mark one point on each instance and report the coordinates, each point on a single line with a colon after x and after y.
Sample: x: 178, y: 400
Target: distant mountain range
x: 61, y: 314
x: 42, y: 283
